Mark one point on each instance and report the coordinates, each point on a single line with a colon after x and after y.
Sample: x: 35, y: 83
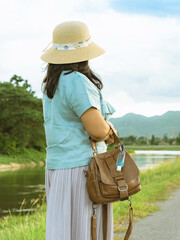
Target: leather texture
x: 104, y: 214
x: 106, y: 185
x: 93, y: 227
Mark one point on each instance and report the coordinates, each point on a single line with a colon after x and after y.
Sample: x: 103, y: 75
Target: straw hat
x: 71, y: 43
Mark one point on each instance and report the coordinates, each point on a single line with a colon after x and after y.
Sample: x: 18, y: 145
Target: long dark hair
x: 54, y: 70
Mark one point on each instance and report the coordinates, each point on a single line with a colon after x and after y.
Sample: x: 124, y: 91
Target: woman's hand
x: 113, y: 135
x: 110, y: 139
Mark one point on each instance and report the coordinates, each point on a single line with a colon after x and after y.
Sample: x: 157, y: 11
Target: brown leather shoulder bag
x: 107, y: 183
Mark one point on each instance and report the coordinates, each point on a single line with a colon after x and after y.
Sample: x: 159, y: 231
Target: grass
x: 25, y: 227
x: 157, y: 184
x: 27, y: 156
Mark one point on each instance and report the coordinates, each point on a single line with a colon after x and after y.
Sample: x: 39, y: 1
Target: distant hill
x: 139, y: 125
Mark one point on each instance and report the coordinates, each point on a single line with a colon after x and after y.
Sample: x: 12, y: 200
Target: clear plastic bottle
x: 121, y: 158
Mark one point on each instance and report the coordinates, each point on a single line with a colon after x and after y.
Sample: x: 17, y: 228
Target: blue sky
x: 141, y: 67
x: 151, y: 7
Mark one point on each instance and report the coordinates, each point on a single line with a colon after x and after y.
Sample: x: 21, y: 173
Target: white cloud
x: 142, y: 59
x: 124, y: 104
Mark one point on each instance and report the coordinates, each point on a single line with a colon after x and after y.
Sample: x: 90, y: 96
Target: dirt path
x: 161, y: 225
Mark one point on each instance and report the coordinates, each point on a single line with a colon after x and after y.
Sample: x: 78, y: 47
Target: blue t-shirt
x: 68, y: 143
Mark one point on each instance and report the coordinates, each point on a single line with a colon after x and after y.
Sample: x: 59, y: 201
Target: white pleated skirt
x: 69, y: 208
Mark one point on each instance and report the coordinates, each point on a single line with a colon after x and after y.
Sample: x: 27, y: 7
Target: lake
x: 28, y: 183
x: 149, y: 158
x: 25, y: 183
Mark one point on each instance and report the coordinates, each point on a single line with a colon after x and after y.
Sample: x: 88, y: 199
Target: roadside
x: 163, y: 224
x: 157, y: 185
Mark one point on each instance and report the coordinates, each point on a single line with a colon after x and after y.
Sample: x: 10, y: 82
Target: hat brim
x: 71, y: 56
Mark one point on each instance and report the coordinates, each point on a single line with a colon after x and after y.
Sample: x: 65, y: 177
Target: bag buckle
x: 123, y: 190
x: 95, y: 150
x: 130, y: 203
x: 85, y: 173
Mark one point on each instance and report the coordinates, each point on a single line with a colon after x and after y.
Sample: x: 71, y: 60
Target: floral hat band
x: 71, y: 46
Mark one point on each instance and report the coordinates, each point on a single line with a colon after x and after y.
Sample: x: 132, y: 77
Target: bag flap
x: 104, y: 171
x: 105, y: 168
x: 107, y: 163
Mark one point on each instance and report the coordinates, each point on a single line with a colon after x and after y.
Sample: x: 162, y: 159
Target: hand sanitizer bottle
x: 121, y: 157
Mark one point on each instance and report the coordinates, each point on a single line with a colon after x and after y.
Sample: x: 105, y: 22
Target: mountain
x: 139, y: 125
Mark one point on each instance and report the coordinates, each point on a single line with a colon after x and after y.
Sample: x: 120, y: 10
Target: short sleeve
x: 81, y: 93
x: 107, y: 109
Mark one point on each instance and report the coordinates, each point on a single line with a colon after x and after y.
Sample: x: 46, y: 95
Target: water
x: 29, y: 183
x: 25, y: 183
x: 148, y: 159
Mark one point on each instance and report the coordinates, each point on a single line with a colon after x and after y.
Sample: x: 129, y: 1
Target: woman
x: 74, y: 110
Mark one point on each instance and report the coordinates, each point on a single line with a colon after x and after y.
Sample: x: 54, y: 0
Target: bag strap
x: 129, y: 230
x: 93, y: 222
x: 93, y: 144
x: 105, y: 221
x: 105, y: 217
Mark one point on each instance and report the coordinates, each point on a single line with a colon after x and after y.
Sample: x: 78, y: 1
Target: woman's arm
x: 97, y: 128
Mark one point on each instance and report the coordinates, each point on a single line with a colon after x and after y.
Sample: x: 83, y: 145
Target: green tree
x: 165, y: 138
x: 178, y: 140
x: 16, y: 80
x: 152, y: 141
x: 141, y: 141
x: 21, y: 118
x: 171, y: 141
x: 130, y: 140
